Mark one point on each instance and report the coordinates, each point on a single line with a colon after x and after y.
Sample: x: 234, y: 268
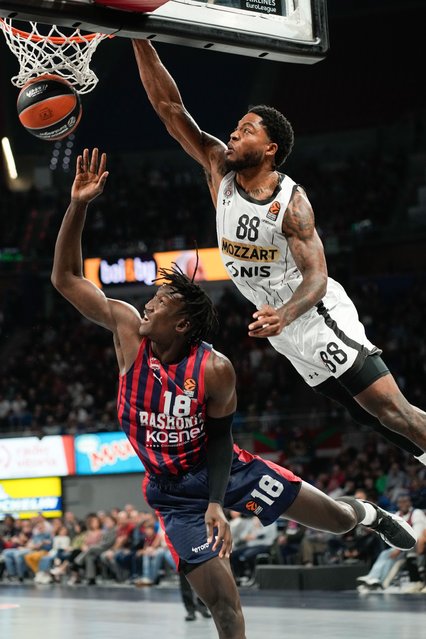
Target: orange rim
x: 54, y: 39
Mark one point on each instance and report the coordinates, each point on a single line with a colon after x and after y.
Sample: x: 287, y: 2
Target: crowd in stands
x: 127, y: 546
x: 59, y: 377
x: 120, y: 545
x: 168, y: 206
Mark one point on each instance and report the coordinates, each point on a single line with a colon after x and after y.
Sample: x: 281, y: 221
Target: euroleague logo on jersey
x: 273, y: 211
x: 253, y: 507
x: 189, y: 386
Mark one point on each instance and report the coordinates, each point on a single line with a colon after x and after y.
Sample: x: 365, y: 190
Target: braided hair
x: 203, y: 318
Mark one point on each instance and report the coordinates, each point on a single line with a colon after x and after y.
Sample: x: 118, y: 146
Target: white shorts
x: 327, y: 340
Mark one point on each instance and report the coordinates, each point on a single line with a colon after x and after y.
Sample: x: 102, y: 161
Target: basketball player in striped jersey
x: 176, y: 401
x: 273, y: 254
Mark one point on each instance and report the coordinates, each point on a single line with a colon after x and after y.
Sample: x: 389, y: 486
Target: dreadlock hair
x: 278, y: 128
x: 198, y: 306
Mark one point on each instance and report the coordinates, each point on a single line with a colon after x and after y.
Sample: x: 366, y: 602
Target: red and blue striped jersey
x: 162, y: 410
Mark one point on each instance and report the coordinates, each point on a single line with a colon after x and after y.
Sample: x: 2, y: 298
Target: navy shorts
x: 256, y: 486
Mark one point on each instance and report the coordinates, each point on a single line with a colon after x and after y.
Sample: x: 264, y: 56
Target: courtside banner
x: 105, y: 453
x: 26, y: 498
x: 143, y: 269
x: 22, y: 457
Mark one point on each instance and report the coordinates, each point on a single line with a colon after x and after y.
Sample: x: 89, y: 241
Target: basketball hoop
x: 55, y: 53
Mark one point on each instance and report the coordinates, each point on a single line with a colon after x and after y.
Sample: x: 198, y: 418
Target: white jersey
x: 326, y: 340
x: 253, y: 248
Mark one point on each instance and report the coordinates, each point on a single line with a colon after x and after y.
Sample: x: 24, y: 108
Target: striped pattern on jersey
x: 162, y: 410
x: 252, y: 246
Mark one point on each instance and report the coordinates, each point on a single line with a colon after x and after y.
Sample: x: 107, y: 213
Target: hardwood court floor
x: 61, y: 612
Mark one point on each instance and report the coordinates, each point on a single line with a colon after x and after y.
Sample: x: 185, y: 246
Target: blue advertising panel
x: 26, y: 498
x: 105, y: 453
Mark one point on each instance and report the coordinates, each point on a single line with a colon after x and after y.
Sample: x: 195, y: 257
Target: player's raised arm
x: 67, y: 273
x: 164, y: 96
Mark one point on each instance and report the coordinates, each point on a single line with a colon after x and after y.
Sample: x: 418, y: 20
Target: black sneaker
x: 190, y: 616
x: 396, y: 532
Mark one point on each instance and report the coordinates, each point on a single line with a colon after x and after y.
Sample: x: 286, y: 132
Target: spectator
x: 151, y: 553
x: 39, y: 544
x: 288, y: 542
x: 70, y: 553
x: 18, y: 547
x: 391, y: 560
x: 191, y: 602
x: 8, y: 530
x: 72, y: 524
x: 122, y: 542
x: 258, y: 539
x: 90, y: 555
x: 314, y: 545
x: 396, y: 482
x: 91, y: 538
x: 61, y: 543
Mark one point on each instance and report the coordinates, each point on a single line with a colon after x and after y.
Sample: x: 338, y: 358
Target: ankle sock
x: 422, y: 459
x: 370, y: 513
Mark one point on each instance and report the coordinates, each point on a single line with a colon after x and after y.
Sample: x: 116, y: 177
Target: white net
x: 54, y: 52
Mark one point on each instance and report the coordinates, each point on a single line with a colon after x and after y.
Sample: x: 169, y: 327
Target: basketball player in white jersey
x: 272, y: 252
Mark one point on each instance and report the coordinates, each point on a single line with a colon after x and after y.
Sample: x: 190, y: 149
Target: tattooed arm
x: 308, y: 253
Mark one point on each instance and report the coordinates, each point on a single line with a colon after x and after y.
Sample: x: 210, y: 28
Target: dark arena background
x: 359, y: 117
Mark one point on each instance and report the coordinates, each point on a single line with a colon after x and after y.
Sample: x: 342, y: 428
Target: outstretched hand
x: 90, y: 176
x: 215, y: 518
x: 268, y: 322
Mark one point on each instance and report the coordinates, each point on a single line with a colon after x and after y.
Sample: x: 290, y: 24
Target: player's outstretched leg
x: 384, y: 400
x: 214, y: 583
x: 334, y: 390
x: 315, y: 509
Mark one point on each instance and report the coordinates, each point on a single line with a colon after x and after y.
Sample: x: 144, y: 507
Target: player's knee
x: 229, y: 618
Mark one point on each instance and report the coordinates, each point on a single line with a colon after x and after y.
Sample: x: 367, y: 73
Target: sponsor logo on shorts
x: 253, y: 507
x: 200, y: 548
x: 273, y: 211
x: 189, y: 386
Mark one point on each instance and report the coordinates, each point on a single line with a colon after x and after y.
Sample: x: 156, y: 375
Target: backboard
x: 283, y: 30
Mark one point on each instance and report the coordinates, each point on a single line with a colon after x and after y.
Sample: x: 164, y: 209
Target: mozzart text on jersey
x: 249, y: 252
x: 168, y: 429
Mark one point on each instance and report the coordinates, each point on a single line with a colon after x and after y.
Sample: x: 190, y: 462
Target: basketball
x: 49, y: 107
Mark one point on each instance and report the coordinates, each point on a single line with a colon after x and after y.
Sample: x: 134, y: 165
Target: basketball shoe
x: 396, y: 532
